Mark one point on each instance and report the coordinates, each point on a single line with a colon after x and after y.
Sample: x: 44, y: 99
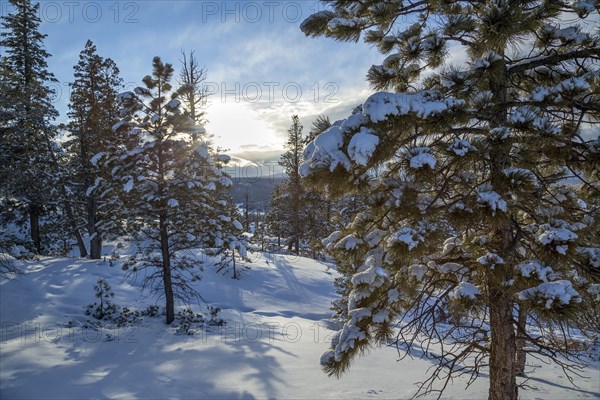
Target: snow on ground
x: 276, y: 332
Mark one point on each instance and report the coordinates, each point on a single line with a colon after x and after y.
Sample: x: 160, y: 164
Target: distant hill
x: 259, y: 191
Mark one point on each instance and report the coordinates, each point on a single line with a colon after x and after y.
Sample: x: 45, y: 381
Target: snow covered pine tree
x: 290, y: 161
x: 93, y: 112
x: 487, y: 193
x: 27, y: 169
x: 168, y: 185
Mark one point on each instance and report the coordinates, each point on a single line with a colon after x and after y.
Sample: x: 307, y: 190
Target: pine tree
x: 231, y: 240
x: 482, y: 184
x: 27, y: 170
x: 275, y: 220
x: 290, y: 161
x: 293, y: 202
x: 168, y: 185
x: 93, y: 112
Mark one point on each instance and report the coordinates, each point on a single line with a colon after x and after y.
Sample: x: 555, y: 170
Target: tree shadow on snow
x: 159, y: 365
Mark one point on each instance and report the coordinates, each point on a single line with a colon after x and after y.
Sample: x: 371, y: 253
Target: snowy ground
x: 276, y: 332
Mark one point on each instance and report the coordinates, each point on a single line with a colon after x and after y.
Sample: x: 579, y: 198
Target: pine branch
x: 593, y: 53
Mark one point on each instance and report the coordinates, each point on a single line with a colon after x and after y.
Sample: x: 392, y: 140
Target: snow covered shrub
x: 127, y: 317
x: 151, y: 311
x: 7, y: 265
x: 188, y: 321
x: 215, y: 320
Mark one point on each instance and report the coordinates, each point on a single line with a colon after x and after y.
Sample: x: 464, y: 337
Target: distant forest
x: 259, y: 191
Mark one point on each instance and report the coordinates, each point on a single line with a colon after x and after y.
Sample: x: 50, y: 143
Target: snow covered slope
x: 270, y: 348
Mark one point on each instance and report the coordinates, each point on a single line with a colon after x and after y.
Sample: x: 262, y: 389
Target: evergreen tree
x: 275, y: 220
x: 168, y: 185
x: 482, y: 185
x: 231, y: 240
x: 290, y: 161
x: 27, y: 170
x: 93, y: 112
x: 291, y: 201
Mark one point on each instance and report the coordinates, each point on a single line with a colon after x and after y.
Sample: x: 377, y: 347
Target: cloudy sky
x: 261, y: 67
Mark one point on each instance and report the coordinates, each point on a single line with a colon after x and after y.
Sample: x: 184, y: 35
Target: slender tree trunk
x: 73, y: 223
x: 71, y: 220
x: 34, y: 227
x: 80, y: 243
x: 166, y: 258
x: 235, y: 275
x: 297, y: 232
x: 246, y: 215
x: 521, y: 354
x: 503, y: 384
x: 96, y: 241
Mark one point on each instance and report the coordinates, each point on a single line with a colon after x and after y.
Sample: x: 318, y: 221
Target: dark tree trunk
x: 235, y: 275
x: 34, y: 227
x: 96, y: 247
x: 80, y: 243
x: 96, y: 241
x: 73, y: 223
x: 246, y: 211
x: 503, y: 384
x: 166, y: 261
x: 521, y: 354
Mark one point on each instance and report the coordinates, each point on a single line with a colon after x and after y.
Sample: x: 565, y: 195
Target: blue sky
x: 261, y: 67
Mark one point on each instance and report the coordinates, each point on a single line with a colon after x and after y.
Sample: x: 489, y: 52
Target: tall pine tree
x: 28, y: 170
x: 170, y: 187
x: 290, y: 161
x: 483, y: 185
x: 93, y: 112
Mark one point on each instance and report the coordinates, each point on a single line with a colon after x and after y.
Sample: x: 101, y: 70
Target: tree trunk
x: 503, y: 383
x: 80, y: 243
x: 73, y: 223
x: 34, y: 227
x: 96, y: 241
x: 520, y: 343
x: 166, y: 258
x: 96, y: 247
x: 235, y: 276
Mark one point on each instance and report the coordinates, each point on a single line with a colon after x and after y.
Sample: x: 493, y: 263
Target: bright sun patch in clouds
x: 236, y: 126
